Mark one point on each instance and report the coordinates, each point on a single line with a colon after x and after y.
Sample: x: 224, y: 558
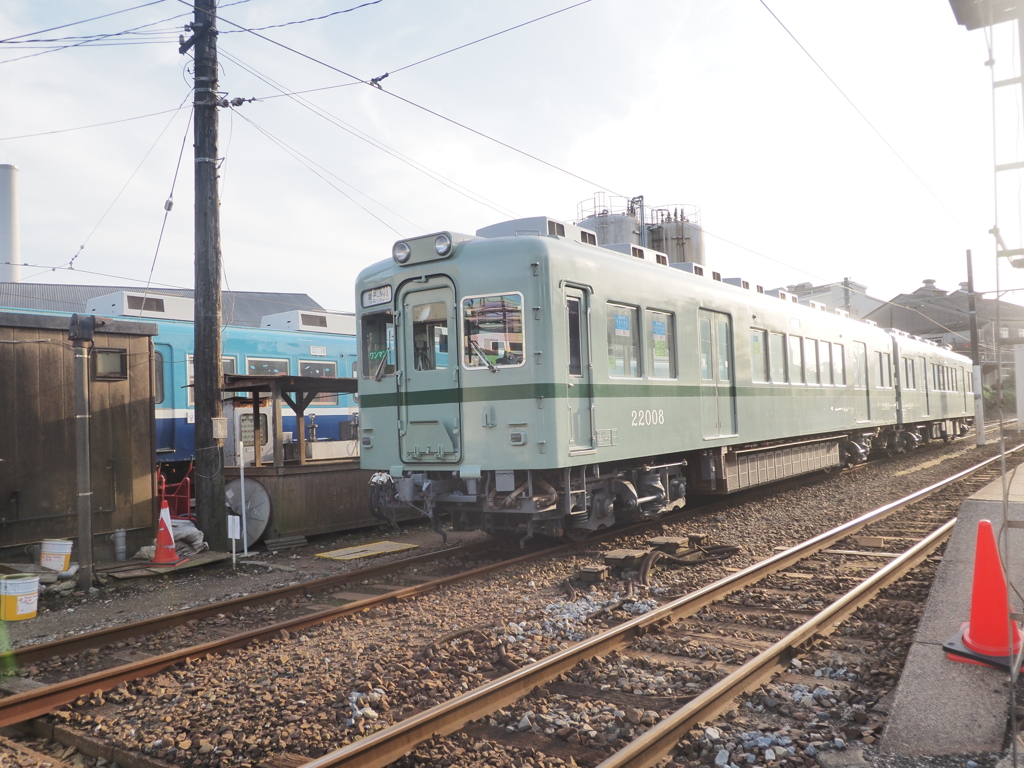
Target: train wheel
x: 575, y: 535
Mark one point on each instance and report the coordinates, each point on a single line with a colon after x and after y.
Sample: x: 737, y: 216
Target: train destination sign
x: 375, y: 296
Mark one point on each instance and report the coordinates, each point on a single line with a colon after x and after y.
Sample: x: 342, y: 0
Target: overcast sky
x: 709, y: 103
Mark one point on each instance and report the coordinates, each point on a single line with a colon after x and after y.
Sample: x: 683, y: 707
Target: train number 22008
x: 649, y: 418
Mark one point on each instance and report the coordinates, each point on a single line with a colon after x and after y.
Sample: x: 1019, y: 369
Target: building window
x: 110, y: 363
x: 1004, y: 333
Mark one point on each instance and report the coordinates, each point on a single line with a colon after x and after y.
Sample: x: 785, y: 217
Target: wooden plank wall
x: 37, y: 438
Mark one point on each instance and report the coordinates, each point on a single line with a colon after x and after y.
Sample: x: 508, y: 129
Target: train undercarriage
x: 573, y: 502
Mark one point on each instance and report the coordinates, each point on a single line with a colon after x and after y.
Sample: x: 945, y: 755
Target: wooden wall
x: 37, y: 434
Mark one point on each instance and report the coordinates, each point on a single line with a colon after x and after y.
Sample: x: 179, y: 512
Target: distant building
x: 847, y: 294
x: 942, y: 316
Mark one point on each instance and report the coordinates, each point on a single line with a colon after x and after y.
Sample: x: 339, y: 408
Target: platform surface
x: 944, y: 707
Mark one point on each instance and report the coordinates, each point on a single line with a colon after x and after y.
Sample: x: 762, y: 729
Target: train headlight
x: 401, y: 252
x: 442, y: 244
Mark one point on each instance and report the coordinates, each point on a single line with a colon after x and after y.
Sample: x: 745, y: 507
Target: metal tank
x: 672, y: 229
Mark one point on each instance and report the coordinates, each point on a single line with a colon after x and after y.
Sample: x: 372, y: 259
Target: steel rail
x: 77, y: 643
x: 389, y: 744
x: 24, y: 706
x: 662, y: 739
x: 72, y: 644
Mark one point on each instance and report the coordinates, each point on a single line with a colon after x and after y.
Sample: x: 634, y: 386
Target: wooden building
x: 38, y: 491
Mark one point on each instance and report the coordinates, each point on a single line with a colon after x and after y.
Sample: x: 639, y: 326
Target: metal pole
x: 82, y: 458
x: 209, y: 451
x: 979, y: 399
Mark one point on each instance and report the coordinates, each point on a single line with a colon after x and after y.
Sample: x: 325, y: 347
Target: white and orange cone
x: 166, y: 556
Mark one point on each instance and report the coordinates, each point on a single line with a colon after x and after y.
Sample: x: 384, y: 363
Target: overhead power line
x: 865, y: 119
x: 84, y: 21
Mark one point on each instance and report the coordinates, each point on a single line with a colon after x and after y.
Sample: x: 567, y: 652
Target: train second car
x: 537, y: 383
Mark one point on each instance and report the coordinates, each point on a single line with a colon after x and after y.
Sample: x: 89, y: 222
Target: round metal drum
x: 257, y: 506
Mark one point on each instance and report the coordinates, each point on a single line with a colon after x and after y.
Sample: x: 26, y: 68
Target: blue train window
x: 324, y: 369
x: 158, y: 362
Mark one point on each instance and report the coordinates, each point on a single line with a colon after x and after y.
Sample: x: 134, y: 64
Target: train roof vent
x: 142, y: 304
x: 716, y: 276
x: 842, y: 312
x: 689, y: 266
x: 343, y: 323
x: 537, y: 226
x: 760, y: 289
x: 898, y: 332
x: 817, y: 305
x: 638, y: 252
x: 871, y: 322
x: 784, y: 295
x: 739, y: 282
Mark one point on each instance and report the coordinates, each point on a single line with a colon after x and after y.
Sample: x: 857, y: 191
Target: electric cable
x: 84, y: 21
x: 865, y: 119
x: 376, y: 143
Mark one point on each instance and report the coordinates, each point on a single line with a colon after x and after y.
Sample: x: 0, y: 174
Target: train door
x: 429, y: 374
x: 165, y: 394
x: 861, y: 382
x: 717, y: 382
x: 579, y: 371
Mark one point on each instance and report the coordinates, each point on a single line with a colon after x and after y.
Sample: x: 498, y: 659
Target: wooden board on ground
x: 367, y: 550
x: 142, y: 571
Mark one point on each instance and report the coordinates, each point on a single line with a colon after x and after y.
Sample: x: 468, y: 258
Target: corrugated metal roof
x: 243, y: 308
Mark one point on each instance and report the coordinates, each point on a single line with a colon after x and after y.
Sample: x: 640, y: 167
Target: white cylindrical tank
x: 680, y: 239
x: 10, y: 246
x: 613, y: 228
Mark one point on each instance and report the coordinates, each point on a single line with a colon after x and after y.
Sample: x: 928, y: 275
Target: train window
x: 758, y: 356
x: 796, y: 359
x: 777, y: 357
x: 378, y: 345
x: 493, y: 327
x: 323, y: 369
x: 825, y: 362
x: 430, y: 336
x: 884, y: 369
x: 859, y: 350
x: 158, y: 362
x: 724, y: 350
x: 227, y: 365
x: 838, y: 365
x: 909, y: 381
x: 266, y: 366
x: 572, y: 306
x: 811, y: 361
x: 706, y: 349
x: 623, y: 342
x: 661, y: 345
x: 110, y: 363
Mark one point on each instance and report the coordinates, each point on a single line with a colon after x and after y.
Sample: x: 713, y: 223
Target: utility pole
x: 207, y: 359
x: 80, y: 333
x: 979, y: 399
x: 846, y: 294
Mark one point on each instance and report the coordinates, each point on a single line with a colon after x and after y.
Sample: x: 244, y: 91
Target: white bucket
x: 19, y: 597
x: 55, y: 554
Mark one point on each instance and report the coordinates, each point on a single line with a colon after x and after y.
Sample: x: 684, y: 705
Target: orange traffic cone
x: 166, y: 555
x: 989, y: 638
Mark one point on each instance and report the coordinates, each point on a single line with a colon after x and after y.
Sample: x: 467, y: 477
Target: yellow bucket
x: 55, y: 554
x: 19, y: 597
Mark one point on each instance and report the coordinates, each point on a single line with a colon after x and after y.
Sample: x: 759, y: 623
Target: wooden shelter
x: 38, y: 493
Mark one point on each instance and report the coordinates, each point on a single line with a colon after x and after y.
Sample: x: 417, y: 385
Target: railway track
x: 23, y: 706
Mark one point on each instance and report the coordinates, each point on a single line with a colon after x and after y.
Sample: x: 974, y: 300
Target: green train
x: 528, y: 381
